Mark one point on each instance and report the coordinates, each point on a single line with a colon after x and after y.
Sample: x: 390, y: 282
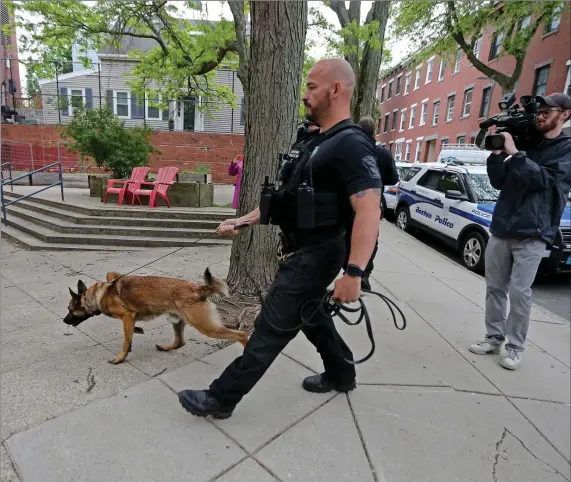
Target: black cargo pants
x: 301, y: 277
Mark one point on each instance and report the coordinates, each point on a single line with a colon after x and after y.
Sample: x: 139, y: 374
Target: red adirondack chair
x: 165, y: 178
x: 138, y: 174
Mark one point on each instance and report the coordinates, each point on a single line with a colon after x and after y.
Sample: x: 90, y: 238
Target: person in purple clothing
x: 235, y: 169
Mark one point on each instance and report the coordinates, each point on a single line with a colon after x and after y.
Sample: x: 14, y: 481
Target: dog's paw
x: 160, y: 348
x: 116, y: 360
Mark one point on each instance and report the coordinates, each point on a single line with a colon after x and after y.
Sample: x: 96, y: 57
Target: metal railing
x: 21, y: 198
x: 9, y: 172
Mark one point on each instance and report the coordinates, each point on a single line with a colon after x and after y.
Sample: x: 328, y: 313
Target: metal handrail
x: 9, y: 164
x: 21, y: 198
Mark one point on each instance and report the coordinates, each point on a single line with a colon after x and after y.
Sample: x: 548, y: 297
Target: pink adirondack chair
x: 165, y: 178
x: 138, y: 174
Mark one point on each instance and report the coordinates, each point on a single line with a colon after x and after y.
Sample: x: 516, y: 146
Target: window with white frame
x: 402, y: 119
x: 496, y: 45
x: 555, y: 20
x: 412, y: 116
x: 395, y: 114
x: 387, y: 116
x: 477, y: 46
x: 390, y: 94
x: 398, y: 151
x: 467, y: 106
x: 567, y: 89
x: 441, y: 70
x: 450, y: 107
x: 461, y: 139
x: 153, y: 112
x: 525, y: 22
x: 458, y: 61
x: 399, y: 80
x: 417, y: 78
x: 383, y: 93
x: 423, y: 112
x: 122, y: 104
x: 429, y: 69
x: 418, y: 149
x: 435, y: 113
x: 443, y: 142
x: 407, y: 83
x: 76, y: 100
x: 407, y: 150
x: 540, y: 81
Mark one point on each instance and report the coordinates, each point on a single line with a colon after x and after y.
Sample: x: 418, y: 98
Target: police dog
x: 140, y: 298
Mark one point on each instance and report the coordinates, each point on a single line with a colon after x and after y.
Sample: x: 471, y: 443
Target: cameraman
x: 534, y: 186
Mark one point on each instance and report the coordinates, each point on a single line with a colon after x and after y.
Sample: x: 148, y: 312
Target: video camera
x: 517, y: 121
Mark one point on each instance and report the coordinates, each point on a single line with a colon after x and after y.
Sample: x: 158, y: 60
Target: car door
x: 455, y: 212
x: 428, y: 201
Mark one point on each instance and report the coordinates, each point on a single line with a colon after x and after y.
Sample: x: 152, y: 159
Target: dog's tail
x: 214, y: 285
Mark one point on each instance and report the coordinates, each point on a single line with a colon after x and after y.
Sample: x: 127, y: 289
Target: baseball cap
x: 555, y: 100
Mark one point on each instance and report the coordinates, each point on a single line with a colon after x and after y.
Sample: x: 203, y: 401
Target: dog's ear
x: 112, y: 275
x: 75, y: 296
x: 81, y: 288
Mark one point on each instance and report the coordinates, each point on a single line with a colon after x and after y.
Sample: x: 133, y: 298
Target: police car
x: 390, y: 192
x: 455, y: 204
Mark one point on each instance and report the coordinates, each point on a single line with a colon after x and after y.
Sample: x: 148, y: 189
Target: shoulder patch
x: 370, y: 163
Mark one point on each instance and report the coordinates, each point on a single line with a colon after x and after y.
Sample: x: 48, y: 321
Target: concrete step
x: 51, y: 236
x: 131, y: 212
x: 75, y: 218
x: 32, y: 243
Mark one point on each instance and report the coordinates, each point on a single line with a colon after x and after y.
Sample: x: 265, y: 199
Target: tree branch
x: 342, y: 14
x: 241, y: 44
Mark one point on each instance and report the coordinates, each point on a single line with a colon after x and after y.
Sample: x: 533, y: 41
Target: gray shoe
x: 512, y: 359
x: 484, y: 348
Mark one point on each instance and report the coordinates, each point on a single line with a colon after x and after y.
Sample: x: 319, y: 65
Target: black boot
x: 321, y: 384
x: 201, y: 404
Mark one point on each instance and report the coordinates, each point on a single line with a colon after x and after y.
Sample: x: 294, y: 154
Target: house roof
x: 68, y: 76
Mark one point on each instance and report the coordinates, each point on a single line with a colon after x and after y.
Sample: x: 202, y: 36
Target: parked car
x: 455, y: 204
x: 389, y: 198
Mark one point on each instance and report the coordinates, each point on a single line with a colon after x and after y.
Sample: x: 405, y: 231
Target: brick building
x: 9, y: 67
x: 427, y: 105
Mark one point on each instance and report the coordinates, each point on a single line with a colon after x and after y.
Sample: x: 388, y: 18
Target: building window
x: 435, y: 113
x: 407, y: 151
x: 122, y: 106
x: 486, y: 98
x: 390, y: 90
x: 441, y: 70
x: 458, y: 61
x: 555, y: 21
x: 398, y: 151
x: 386, y: 123
x: 467, y: 106
x: 525, y: 22
x: 379, y: 126
x: 418, y: 149
x: 399, y: 78
x: 152, y: 111
x: 461, y: 139
x: 496, y: 44
x: 412, y: 116
x: 407, y: 83
x: 417, y: 78
x: 423, y: 110
x: 383, y: 93
x: 450, y: 108
x: 567, y: 89
x: 76, y: 100
x: 402, y: 119
x: 429, y: 68
x: 540, y: 82
x: 477, y: 47
x: 444, y: 142
x: 395, y: 114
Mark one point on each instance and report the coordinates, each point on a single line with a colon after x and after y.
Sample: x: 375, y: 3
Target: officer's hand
x: 226, y: 228
x: 347, y: 289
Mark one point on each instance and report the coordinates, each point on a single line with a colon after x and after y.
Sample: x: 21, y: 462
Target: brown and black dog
x: 141, y: 298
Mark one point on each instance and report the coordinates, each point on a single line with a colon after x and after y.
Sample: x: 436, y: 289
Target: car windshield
x: 482, y: 188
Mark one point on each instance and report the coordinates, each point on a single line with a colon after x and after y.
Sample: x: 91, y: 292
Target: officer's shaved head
x: 330, y: 85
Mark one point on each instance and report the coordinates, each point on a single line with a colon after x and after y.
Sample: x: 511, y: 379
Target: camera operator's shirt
x: 345, y: 163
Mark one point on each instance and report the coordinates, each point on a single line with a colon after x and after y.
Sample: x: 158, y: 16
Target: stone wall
x: 29, y: 147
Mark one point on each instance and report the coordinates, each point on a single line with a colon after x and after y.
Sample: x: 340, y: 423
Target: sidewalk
x: 425, y: 409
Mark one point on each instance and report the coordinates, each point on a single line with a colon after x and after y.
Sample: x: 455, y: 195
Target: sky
x: 215, y: 10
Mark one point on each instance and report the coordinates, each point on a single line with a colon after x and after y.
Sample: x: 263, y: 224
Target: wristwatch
x: 354, y: 270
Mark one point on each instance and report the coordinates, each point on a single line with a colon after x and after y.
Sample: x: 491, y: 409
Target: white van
x: 462, y: 154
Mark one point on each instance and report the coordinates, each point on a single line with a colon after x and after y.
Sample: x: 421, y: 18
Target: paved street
x: 425, y: 408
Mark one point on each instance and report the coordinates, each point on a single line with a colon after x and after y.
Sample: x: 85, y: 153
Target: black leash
x: 326, y: 306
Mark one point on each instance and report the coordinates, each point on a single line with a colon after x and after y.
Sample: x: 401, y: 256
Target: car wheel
x: 403, y: 218
x: 472, y: 251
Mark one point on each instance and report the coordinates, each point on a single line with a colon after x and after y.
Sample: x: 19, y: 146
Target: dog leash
x: 236, y: 228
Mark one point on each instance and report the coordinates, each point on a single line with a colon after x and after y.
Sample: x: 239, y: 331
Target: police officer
x: 337, y: 165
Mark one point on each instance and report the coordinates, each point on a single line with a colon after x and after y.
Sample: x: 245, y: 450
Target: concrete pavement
x: 425, y: 409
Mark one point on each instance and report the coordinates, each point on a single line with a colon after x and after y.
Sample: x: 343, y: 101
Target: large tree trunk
x: 272, y: 96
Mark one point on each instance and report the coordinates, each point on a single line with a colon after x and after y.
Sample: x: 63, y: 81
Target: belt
x: 296, y: 243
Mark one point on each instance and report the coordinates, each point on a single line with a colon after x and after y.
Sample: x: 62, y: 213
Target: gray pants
x: 511, y: 265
